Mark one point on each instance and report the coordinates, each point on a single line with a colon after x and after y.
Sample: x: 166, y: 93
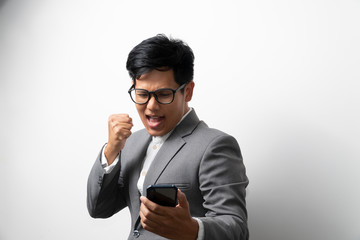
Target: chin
x: 154, y: 132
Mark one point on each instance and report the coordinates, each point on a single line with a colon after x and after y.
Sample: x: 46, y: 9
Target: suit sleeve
x: 223, y: 180
x: 104, y: 198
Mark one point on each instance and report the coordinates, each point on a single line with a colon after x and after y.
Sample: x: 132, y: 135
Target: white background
x: 281, y: 76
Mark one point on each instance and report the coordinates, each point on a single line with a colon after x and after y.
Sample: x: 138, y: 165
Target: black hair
x: 162, y: 53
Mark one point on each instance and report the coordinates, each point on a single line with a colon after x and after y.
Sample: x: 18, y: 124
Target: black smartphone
x: 164, y: 194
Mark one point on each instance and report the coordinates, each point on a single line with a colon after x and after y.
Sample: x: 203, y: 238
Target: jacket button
x: 100, y: 180
x: 136, y: 233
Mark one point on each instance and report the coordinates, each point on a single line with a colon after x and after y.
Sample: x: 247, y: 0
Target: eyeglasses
x: 162, y: 95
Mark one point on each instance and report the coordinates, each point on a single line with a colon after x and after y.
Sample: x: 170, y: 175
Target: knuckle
x: 111, y: 117
x: 157, y: 208
x: 124, y: 116
x: 145, y: 221
x: 146, y: 214
x: 116, y: 129
x: 145, y: 226
x: 122, y: 134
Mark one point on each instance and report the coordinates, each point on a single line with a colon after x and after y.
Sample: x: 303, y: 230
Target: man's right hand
x: 119, y: 130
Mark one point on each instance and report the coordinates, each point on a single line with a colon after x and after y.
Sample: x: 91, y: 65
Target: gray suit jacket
x: 206, y: 164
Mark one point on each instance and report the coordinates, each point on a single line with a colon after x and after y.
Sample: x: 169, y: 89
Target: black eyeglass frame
x: 132, y: 88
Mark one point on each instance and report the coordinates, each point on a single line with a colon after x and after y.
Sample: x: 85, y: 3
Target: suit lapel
x: 171, y: 147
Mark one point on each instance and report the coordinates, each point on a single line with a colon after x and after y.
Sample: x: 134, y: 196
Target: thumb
x: 182, y: 201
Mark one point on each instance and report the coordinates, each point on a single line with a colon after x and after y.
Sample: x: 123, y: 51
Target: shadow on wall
x: 2, y: 3
x: 308, y: 175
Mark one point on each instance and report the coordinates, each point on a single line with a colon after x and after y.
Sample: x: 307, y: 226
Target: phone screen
x: 165, y: 195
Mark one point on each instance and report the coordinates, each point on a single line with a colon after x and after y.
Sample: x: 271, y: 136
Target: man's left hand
x: 169, y: 222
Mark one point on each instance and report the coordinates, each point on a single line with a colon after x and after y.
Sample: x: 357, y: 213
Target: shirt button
x: 136, y: 233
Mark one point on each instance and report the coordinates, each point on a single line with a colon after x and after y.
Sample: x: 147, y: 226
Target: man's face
x: 159, y: 119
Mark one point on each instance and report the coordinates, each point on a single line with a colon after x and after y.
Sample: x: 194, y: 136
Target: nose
x: 152, y: 103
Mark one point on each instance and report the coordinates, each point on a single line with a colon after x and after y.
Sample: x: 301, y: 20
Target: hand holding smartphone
x: 164, y: 194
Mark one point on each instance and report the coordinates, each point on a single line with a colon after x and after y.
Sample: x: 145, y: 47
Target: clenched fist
x: 119, y: 130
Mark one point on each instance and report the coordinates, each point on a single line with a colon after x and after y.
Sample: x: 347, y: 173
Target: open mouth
x: 154, y: 121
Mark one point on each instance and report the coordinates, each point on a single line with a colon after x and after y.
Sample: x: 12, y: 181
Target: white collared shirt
x: 152, y: 150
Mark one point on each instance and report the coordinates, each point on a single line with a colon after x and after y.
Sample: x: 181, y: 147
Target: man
x: 174, y: 148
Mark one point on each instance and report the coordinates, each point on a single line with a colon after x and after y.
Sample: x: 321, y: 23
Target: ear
x: 189, y: 91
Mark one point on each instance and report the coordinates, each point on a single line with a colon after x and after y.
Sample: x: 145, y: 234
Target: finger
x: 182, y: 200
x: 125, y: 118
x: 153, y: 207
x: 147, y: 223
x: 122, y: 118
x: 150, y: 205
x: 120, y: 124
x: 121, y: 130
x: 123, y: 134
x: 150, y: 218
